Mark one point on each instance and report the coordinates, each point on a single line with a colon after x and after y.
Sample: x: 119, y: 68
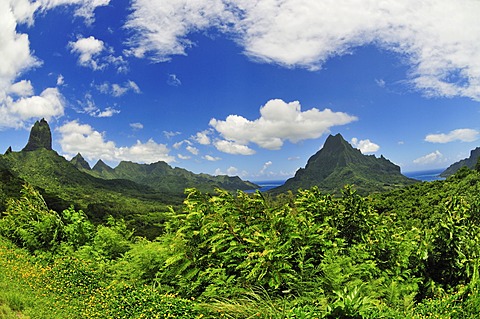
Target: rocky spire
x: 40, y: 137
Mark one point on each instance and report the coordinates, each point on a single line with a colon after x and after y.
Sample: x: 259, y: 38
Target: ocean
x: 426, y: 176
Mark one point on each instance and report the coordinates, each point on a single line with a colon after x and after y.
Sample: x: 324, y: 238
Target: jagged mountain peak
x: 338, y: 163
x: 100, y: 166
x: 79, y: 162
x: 40, y: 137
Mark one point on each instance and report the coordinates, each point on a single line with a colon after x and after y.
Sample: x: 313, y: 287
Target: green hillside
x: 162, y: 177
x: 338, y: 163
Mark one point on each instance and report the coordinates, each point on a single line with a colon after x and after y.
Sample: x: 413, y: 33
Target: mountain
x: 79, y: 162
x: 40, y: 137
x: 130, y: 188
x: 162, y: 177
x: 338, y: 163
x: 468, y: 162
x: 103, y: 170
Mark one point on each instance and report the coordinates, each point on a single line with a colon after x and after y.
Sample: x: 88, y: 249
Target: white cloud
x: 365, y: 146
x: 202, y: 137
x: 89, y: 107
x: 83, y: 8
x: 88, y: 50
x: 18, y: 105
x: 433, y: 157
x: 231, y: 171
x: 119, y: 62
x: 118, y: 90
x: 170, y: 134
x: 192, y: 150
x: 108, y: 112
x: 279, y: 121
x: 15, y: 59
x: 22, y: 88
x: 211, y: 158
x: 463, y: 135
x: 136, y: 126
x: 265, y: 167
x: 15, y: 113
x: 306, y: 33
x: 233, y: 148
x: 183, y: 157
x: 60, y: 80
x: 161, y: 26
x: 76, y: 137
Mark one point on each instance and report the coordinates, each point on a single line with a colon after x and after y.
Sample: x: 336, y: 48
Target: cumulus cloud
x: 462, y: 135
x: 18, y: 105
x: 15, y: 59
x: 202, y: 137
x: 93, y: 145
x: 88, y: 50
x: 233, y: 148
x: 433, y: 157
x: 211, y: 158
x: 22, y: 88
x: 15, y: 113
x: 183, y: 157
x: 279, y: 121
x: 306, y: 33
x: 365, y: 146
x: 192, y: 150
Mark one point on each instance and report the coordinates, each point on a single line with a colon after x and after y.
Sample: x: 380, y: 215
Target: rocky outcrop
x: 40, y: 137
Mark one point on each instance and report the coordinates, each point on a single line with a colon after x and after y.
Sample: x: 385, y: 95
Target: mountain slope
x: 469, y: 162
x: 162, y: 177
x: 338, y: 163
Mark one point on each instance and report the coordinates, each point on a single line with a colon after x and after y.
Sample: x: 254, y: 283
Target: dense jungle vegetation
x: 409, y: 253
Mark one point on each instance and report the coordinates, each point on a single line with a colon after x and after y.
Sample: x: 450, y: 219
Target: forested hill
x: 469, y: 162
x: 338, y: 163
x: 162, y: 177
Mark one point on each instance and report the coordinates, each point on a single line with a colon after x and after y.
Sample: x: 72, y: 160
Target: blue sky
x: 248, y: 88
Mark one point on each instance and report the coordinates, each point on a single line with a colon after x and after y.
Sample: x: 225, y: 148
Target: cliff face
x: 468, y: 162
x: 40, y: 137
x: 338, y: 163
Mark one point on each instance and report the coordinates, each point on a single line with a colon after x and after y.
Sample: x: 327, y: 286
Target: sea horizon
x: 427, y: 175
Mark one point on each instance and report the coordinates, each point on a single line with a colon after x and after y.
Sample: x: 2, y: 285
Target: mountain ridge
x: 337, y: 163
x: 469, y: 162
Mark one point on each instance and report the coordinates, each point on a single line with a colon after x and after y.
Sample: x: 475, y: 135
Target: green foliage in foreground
x: 412, y: 253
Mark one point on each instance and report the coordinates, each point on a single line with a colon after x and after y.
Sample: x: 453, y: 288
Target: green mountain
x: 40, y: 137
x: 338, y: 163
x: 128, y: 189
x: 469, y: 162
x: 79, y: 162
x: 162, y: 177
